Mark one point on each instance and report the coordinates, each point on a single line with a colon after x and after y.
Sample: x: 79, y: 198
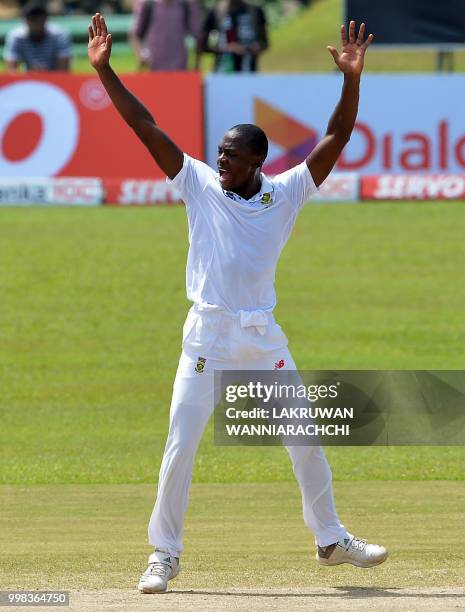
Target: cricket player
x: 239, y: 221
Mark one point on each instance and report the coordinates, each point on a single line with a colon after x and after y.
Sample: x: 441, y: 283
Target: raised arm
x: 350, y: 62
x: 163, y: 150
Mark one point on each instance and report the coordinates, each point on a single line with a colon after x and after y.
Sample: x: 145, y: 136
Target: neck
x: 37, y: 36
x: 250, y: 188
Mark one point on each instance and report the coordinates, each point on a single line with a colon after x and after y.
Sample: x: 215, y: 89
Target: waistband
x: 247, y: 318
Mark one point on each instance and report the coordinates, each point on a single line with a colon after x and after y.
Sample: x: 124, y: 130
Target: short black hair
x: 35, y: 8
x: 254, y: 137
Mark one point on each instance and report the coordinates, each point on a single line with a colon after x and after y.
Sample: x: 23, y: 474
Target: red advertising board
x: 65, y: 125
x: 413, y: 187
x: 128, y: 191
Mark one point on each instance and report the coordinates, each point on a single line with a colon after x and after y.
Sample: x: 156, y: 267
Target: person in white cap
x: 239, y: 221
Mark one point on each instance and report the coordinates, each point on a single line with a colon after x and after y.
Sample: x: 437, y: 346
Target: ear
x: 259, y: 160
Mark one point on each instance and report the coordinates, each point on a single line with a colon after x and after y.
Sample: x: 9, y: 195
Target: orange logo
x: 297, y: 139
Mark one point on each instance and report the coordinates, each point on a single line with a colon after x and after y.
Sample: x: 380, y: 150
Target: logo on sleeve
x: 279, y: 364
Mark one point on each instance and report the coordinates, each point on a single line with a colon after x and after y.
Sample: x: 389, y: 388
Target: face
x: 237, y: 165
x: 36, y: 26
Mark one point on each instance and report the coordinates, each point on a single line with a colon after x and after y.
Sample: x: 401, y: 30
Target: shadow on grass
x: 338, y: 592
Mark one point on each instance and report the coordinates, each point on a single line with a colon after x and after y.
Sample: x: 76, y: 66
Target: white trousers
x: 246, y: 341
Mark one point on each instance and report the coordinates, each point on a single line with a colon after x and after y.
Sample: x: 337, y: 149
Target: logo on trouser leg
x: 200, y: 365
x: 279, y: 364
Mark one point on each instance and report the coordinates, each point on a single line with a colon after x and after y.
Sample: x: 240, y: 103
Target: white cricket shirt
x: 235, y: 243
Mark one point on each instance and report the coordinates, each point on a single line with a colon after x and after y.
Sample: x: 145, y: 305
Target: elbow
x: 342, y: 135
x: 345, y: 138
x: 142, y: 128
x: 340, y: 131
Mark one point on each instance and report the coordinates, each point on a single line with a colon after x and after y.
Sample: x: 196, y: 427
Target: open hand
x: 99, y: 47
x: 351, y: 58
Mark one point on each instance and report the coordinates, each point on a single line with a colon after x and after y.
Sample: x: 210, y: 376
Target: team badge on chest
x: 200, y: 365
x: 266, y: 199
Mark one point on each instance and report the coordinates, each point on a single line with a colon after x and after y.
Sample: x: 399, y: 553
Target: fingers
x: 96, y: 25
x: 368, y: 42
x: 103, y: 26
x: 334, y: 53
x: 361, y: 34
x: 108, y: 42
x: 352, y: 32
x: 343, y: 35
x: 99, y: 28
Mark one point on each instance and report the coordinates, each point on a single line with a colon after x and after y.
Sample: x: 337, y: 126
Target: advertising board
x: 406, y: 123
x: 65, y: 125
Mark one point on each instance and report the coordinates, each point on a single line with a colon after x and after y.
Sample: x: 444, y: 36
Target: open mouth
x: 224, y: 175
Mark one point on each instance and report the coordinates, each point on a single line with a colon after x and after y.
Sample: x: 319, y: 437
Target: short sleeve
x: 63, y: 45
x: 192, y: 179
x: 297, y: 184
x: 11, y: 52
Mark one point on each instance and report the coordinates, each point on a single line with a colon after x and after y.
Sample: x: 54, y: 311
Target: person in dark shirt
x: 37, y: 44
x: 240, y: 35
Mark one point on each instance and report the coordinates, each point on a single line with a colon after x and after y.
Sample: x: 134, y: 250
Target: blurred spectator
x: 160, y: 31
x: 240, y: 35
x: 71, y: 7
x: 37, y: 44
x: 90, y: 7
x: 8, y: 9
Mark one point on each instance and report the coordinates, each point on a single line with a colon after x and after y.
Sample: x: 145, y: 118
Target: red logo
x: 414, y: 187
x: 279, y: 364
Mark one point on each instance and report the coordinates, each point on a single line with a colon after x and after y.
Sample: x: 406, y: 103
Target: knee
x: 183, y: 437
x: 178, y: 459
x: 180, y: 445
x: 302, y: 455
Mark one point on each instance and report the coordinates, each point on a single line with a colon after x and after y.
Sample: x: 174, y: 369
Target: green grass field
x: 93, y: 302
x: 93, y: 537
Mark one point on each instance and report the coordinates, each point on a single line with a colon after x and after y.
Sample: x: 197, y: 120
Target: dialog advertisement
x: 407, y: 124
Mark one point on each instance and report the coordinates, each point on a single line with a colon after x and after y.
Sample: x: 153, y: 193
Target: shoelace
x: 158, y: 569
x: 358, y: 544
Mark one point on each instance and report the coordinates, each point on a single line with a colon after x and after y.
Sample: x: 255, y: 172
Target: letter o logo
x: 453, y: 187
x: 60, y: 122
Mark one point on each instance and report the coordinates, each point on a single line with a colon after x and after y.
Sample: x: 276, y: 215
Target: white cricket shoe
x: 162, y: 567
x: 352, y: 550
